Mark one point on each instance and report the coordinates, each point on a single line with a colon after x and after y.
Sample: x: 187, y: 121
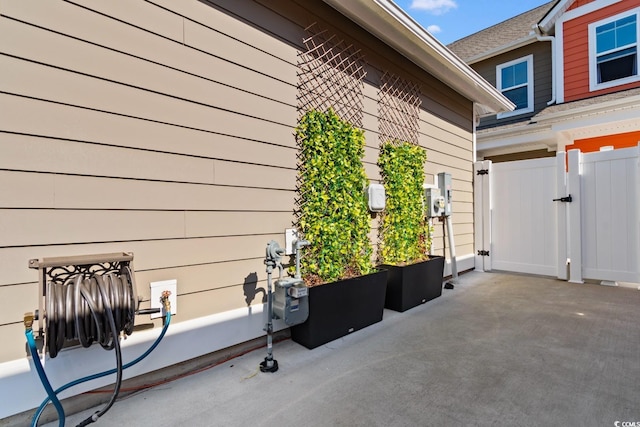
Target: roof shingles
x: 501, y: 34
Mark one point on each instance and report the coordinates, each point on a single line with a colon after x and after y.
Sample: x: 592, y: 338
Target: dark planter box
x: 336, y: 309
x: 413, y: 284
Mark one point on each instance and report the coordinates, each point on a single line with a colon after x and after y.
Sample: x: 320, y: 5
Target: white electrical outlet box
x: 290, y: 237
x: 376, y: 197
x: 156, y: 293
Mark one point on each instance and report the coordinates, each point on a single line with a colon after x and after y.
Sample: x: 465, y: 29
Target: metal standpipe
x: 272, y: 259
x: 452, y: 255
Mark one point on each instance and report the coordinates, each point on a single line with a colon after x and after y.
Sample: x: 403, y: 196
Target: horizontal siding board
x: 206, y: 40
x: 34, y: 80
x: 33, y: 154
x: 37, y: 190
x: 55, y: 227
x: 198, y: 278
x: 34, y: 190
x: 440, y: 158
x: 81, y: 124
x: 135, y: 194
x: 140, y: 13
x: 28, y: 153
x: 448, y: 136
x: 18, y: 300
x: 217, y: 301
x: 83, y: 24
x: 62, y: 227
x: 372, y: 171
x: 201, y: 224
x: 439, y: 146
x: 227, y: 173
x: 148, y: 255
x: 43, y: 46
x: 459, y: 207
x: 229, y: 18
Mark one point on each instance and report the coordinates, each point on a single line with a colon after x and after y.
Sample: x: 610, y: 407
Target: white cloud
x: 434, y: 29
x: 437, y: 7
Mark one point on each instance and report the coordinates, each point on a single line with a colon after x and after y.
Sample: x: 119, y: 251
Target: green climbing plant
x: 404, y: 233
x: 333, y: 215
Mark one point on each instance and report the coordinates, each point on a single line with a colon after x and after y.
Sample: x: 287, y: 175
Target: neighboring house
x: 166, y: 128
x: 572, y: 69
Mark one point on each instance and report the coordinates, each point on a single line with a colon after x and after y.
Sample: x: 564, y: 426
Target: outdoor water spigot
x: 299, y: 244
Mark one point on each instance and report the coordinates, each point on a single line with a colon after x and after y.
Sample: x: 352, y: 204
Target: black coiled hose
x: 77, y: 310
x: 92, y: 308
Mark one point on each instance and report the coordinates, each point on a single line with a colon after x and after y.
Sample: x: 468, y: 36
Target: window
x: 515, y: 81
x: 613, y: 47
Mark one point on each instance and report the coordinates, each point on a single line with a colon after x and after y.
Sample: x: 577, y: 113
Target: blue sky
x: 450, y: 20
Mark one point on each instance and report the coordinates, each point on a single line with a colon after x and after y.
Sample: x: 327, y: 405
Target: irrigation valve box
x: 435, y: 202
x: 376, y: 197
x: 291, y: 300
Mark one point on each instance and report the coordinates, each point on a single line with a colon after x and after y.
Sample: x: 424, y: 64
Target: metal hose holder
x: 57, y: 276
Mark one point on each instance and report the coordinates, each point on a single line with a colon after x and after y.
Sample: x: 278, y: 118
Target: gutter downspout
x: 476, y: 121
x: 552, y: 39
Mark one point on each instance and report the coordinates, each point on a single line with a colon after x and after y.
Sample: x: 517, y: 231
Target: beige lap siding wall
x: 166, y: 128
x: 128, y: 127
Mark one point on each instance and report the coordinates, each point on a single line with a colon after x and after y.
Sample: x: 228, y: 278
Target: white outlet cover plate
x: 290, y: 236
x: 156, y: 293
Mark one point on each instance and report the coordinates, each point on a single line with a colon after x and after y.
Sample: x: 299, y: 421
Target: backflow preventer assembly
x: 289, y: 302
x: 85, y: 299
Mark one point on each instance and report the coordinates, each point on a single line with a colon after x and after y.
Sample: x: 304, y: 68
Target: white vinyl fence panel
x: 605, y: 217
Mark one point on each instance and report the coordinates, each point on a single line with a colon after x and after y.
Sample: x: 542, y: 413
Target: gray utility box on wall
x: 434, y: 202
x: 444, y: 183
x: 291, y: 301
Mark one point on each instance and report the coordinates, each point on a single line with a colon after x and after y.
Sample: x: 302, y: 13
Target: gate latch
x: 568, y: 199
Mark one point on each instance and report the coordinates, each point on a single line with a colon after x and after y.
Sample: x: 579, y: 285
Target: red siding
x: 579, y: 3
x: 576, y: 51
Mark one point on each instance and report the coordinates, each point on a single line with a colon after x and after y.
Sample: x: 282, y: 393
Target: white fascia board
x: 617, y: 116
x: 621, y: 121
x: 586, y: 9
x: 550, y: 19
x: 385, y: 20
x: 628, y: 103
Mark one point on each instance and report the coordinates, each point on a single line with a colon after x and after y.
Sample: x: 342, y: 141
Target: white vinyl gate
x: 521, y: 225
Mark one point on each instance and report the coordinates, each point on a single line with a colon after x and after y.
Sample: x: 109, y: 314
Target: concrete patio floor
x: 499, y: 349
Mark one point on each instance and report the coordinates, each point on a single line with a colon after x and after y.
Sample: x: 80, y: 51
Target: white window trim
x: 593, y: 66
x: 530, y: 78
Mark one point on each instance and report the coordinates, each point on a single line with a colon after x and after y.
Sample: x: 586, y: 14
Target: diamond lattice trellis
x: 330, y: 74
x: 398, y: 109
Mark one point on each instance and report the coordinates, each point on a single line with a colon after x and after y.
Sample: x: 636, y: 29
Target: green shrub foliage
x: 334, y: 215
x: 404, y: 234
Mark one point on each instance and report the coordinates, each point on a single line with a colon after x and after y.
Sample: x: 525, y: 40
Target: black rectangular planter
x: 336, y: 309
x: 413, y: 284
